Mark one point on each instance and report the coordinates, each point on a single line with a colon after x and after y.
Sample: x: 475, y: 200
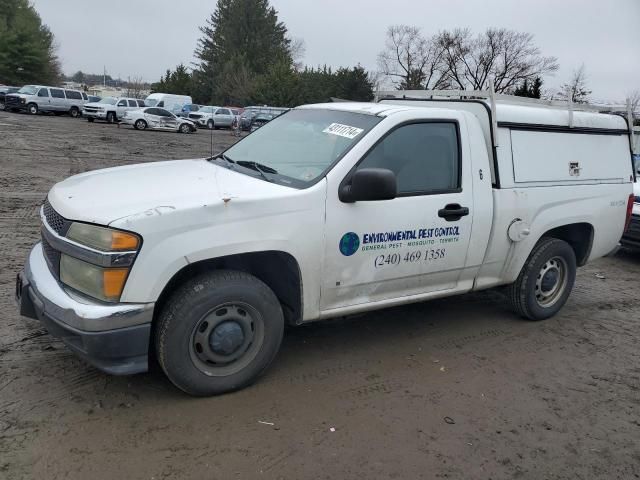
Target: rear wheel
x: 74, y: 112
x: 545, y: 281
x: 218, y: 332
x: 32, y: 108
x: 111, y: 117
x: 140, y: 125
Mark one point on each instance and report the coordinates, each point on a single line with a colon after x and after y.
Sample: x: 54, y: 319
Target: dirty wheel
x: 74, y: 112
x: 218, y: 332
x: 32, y: 108
x: 546, y: 280
x: 140, y: 125
x: 111, y: 117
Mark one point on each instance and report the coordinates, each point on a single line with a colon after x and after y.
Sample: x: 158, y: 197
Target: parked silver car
x: 155, y: 118
x: 213, y: 117
x: 111, y: 109
x: 38, y: 98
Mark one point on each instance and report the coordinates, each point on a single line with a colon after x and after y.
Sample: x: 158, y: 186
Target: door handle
x: 453, y: 212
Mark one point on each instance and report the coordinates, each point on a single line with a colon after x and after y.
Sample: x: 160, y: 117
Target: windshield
x: 28, y: 90
x: 150, y: 102
x: 301, y: 145
x: 109, y: 100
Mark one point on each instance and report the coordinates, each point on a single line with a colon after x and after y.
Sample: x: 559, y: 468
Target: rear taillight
x: 629, y: 210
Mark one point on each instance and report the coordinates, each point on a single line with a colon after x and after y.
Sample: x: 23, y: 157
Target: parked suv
x: 38, y: 98
x: 213, y: 117
x: 111, y: 109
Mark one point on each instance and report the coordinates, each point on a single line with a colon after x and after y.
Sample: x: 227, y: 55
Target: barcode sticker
x: 343, y: 130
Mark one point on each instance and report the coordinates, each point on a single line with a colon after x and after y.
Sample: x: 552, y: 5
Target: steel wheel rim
x: 551, y: 281
x: 205, y: 333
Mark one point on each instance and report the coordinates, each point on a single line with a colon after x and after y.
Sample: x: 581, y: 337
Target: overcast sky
x: 145, y: 37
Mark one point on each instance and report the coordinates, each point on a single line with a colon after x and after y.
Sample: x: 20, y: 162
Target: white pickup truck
x: 328, y: 210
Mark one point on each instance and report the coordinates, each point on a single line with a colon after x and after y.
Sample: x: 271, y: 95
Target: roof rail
x: 493, y: 98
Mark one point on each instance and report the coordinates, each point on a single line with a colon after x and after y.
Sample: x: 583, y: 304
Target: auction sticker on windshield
x: 343, y: 130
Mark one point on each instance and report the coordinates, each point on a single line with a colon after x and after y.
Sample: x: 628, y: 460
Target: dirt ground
x: 458, y: 388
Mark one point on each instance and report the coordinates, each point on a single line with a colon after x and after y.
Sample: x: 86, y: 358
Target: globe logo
x: 349, y: 244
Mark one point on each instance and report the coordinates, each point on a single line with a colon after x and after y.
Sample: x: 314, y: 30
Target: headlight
x: 23, y: 100
x: 101, y: 283
x: 101, y: 238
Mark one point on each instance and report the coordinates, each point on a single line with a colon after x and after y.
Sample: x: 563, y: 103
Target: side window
x: 122, y: 103
x: 140, y: 103
x: 132, y: 103
x: 57, y: 93
x: 43, y: 92
x: 424, y: 156
x: 161, y: 104
x: 73, y: 95
x: 151, y: 111
x: 163, y: 113
x: 223, y: 111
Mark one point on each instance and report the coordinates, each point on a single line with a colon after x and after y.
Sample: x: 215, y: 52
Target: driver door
x: 410, y: 245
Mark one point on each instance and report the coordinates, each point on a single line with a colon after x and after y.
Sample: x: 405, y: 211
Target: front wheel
x: 32, y: 108
x: 210, y: 125
x: 218, y: 332
x: 545, y: 281
x: 111, y: 117
x: 140, y: 125
x: 90, y: 119
x: 184, y: 128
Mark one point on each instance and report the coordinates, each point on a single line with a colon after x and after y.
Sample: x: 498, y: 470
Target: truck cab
x: 325, y: 211
x: 111, y: 109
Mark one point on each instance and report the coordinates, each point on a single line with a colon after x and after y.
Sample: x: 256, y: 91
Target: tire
x: 111, y: 117
x: 210, y: 125
x: 243, y: 308
x: 140, y: 125
x: 32, y: 108
x: 74, y: 112
x: 184, y: 128
x: 545, y: 281
x: 90, y: 119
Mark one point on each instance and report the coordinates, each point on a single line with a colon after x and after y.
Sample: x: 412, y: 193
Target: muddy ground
x: 457, y: 388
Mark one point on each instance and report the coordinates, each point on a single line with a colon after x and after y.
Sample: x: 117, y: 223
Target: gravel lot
x: 455, y: 388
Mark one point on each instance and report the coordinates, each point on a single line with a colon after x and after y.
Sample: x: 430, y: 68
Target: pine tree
x: 27, y: 47
x: 240, y: 28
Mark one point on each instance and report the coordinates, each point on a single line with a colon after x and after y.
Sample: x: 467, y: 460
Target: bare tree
x: 634, y: 99
x: 576, y: 89
x: 506, y: 56
x: 411, y: 61
x: 135, y: 87
x: 297, y: 48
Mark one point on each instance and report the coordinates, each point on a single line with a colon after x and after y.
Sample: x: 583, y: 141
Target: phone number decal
x: 410, y: 257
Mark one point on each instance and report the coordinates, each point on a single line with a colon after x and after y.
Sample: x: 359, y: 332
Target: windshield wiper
x: 260, y: 168
x: 228, y: 161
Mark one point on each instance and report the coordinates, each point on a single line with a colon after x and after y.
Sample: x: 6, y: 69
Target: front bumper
x: 112, y: 337
x: 631, y: 237
x: 94, y: 114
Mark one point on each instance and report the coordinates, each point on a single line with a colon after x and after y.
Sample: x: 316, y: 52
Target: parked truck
x: 326, y: 211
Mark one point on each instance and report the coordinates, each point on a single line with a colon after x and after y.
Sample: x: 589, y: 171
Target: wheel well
x: 579, y: 236
x: 279, y: 270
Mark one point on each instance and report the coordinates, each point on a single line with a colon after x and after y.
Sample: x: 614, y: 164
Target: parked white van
x: 325, y: 211
x: 111, y: 109
x: 38, y: 98
x: 173, y: 103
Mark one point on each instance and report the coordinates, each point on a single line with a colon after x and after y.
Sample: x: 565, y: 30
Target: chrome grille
x: 57, y: 222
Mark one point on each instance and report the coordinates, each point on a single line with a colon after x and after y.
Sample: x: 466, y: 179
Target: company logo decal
x: 349, y: 244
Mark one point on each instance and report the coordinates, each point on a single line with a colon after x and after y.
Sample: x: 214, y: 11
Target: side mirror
x: 369, y: 184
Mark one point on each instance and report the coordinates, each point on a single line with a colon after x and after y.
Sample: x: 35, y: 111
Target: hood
x: 103, y: 196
